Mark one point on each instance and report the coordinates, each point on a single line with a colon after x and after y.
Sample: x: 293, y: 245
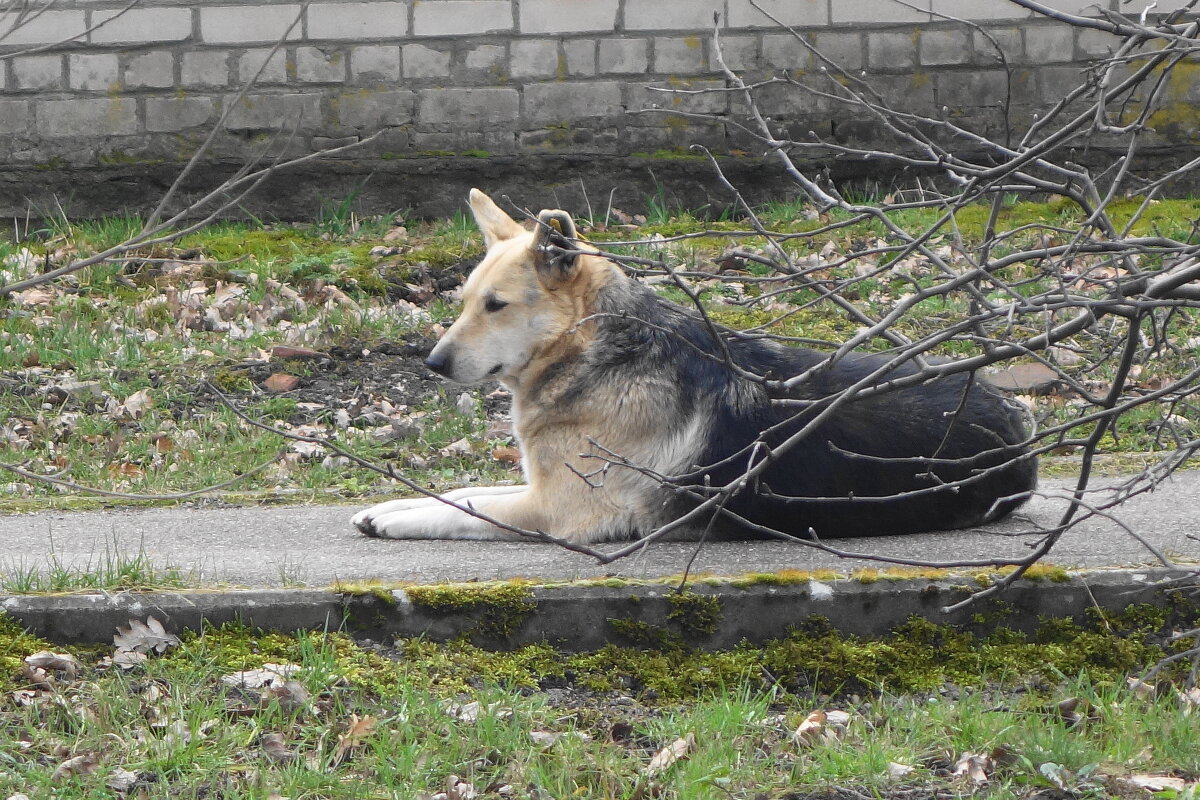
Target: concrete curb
x: 718, y: 613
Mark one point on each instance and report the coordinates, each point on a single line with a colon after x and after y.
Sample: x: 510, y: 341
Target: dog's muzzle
x: 439, y: 362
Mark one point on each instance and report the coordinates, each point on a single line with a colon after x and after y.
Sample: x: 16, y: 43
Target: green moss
x: 366, y: 589
x: 228, y: 380
x: 695, y: 614
x: 644, y: 634
x: 503, y: 606
x: 15, y: 644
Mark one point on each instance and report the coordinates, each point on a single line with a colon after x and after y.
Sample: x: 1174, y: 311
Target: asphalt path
x: 314, y: 545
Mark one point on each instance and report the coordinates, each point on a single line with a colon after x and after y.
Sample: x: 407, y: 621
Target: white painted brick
x: 950, y: 46
x: 49, y: 27
x: 804, y: 13
x: 783, y: 51
x: 581, y: 56
x: 845, y: 49
x: 535, y: 58
x: 320, y: 65
x: 1050, y: 43
x: 166, y: 114
x: 92, y: 72
x: 375, y: 62
x: 205, y: 68
x: 881, y: 11
x: 551, y: 103
x: 473, y: 108
x: 141, y: 25
x: 420, y: 61
x: 978, y: 10
x: 624, y: 56
x: 461, y: 17
x: 239, y: 24
x: 274, y: 72
x: 685, y: 54
x: 1009, y: 41
x: 486, y: 57
x: 14, y: 116
x: 567, y: 16
x: 85, y: 117
x: 154, y: 69
x: 274, y: 111
x: 671, y: 15
x: 37, y: 72
x: 385, y: 19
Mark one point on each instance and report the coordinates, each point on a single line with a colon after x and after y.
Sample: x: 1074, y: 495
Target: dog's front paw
x: 365, y: 522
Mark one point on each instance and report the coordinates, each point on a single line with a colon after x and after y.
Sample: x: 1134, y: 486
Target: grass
x: 359, y: 721
x: 125, y: 327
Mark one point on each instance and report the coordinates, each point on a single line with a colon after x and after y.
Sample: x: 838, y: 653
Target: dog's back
x: 937, y: 455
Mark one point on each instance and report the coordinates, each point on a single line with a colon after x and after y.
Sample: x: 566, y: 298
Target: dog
x: 630, y: 413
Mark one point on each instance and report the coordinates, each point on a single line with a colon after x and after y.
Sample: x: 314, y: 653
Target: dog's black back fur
x: 813, y: 483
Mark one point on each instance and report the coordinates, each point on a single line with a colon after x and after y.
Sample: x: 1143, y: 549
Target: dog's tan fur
x: 545, y: 323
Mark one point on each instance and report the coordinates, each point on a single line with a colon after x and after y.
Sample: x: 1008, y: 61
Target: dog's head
x: 525, y: 299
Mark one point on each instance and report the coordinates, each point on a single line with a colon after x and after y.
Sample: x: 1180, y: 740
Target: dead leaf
x: 128, y: 659
x: 281, y: 382
x: 134, y: 406
x: 1156, y: 783
x: 666, y: 757
x: 459, y: 448
x: 59, y: 662
x: 292, y: 696
x: 357, y: 730
x: 1141, y: 690
x: 896, y: 771
x: 84, y: 764
x: 268, y: 675
x: 1190, y: 700
x: 273, y: 745
x: 974, y: 767
x: 144, y: 637
x: 121, y: 780
x: 507, y: 455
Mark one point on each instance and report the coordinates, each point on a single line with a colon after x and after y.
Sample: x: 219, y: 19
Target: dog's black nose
x: 439, y: 363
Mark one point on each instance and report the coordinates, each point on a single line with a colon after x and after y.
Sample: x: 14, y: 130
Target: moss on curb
x: 502, y: 606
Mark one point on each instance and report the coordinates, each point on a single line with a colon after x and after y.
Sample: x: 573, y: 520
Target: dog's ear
x: 556, y: 245
x: 493, y: 223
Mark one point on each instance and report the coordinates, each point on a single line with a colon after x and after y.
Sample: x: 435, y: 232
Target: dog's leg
x: 430, y: 518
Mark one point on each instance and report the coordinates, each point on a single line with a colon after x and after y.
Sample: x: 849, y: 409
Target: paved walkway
x: 315, y: 545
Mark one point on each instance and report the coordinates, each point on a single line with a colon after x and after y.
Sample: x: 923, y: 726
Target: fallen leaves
x: 668, y: 756
x: 144, y: 637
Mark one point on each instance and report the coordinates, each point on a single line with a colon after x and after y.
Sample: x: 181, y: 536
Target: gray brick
x: 169, y: 114
x: 847, y: 50
x: 142, y: 25
x: 488, y: 58
x: 474, y: 109
x: 370, y: 111
x: 1048, y: 43
x: 274, y: 72
x: 739, y: 52
x: 535, y: 58
x: 241, y: 24
x: 153, y: 69
x: 878, y: 11
x: 783, y: 51
x: 958, y: 90
x: 320, y: 65
x: 1009, y: 40
x: 461, y: 17
x: 38, y: 72
x: 82, y: 117
x: 714, y: 102
x: 1083, y: 8
x: 679, y: 55
x: 205, y: 68
x: 375, y: 63
x: 567, y: 16
x: 1055, y: 83
x: 978, y: 10
x: 581, y: 57
x: 892, y: 51
x: 92, y: 72
x: 383, y: 19
x: 804, y: 13
x: 14, y: 116
x: 671, y: 15
x: 424, y: 62
x: 951, y: 46
x: 551, y: 103
x: 623, y: 56
x: 913, y: 93
x: 48, y: 27
x: 1096, y: 44
x: 274, y: 112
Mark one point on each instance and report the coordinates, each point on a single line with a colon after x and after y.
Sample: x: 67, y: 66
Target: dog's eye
x: 493, y: 303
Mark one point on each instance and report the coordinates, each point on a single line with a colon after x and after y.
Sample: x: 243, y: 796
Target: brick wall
x: 503, y: 77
